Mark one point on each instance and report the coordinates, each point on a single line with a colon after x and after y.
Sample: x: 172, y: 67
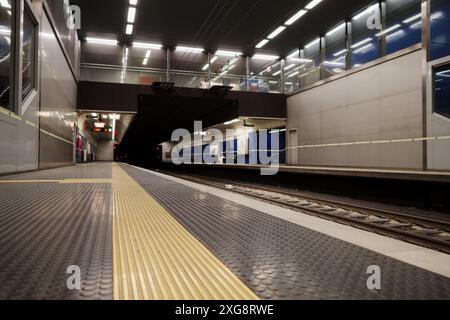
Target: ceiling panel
x: 213, y: 24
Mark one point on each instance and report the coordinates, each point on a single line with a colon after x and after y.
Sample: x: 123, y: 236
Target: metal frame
x: 25, y: 101
x: 426, y: 11
x: 52, y: 23
x: 430, y: 85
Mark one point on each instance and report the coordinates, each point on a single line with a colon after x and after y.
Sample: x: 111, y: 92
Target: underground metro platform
x: 250, y: 153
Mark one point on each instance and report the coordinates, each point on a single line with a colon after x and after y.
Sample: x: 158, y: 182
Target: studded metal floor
x: 47, y: 226
x: 281, y: 260
x: 54, y: 219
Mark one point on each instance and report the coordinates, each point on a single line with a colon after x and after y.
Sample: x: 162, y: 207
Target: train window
x: 442, y: 90
x: 28, y: 54
x: 5, y: 55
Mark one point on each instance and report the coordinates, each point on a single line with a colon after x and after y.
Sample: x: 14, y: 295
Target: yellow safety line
x: 86, y: 181
x: 29, y: 181
x: 65, y: 181
x: 155, y: 258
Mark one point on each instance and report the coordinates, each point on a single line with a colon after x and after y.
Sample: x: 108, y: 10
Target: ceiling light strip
x: 288, y: 23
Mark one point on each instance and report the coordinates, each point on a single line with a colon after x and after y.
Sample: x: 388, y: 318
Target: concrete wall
x: 105, y: 151
x: 380, y: 103
x: 39, y: 134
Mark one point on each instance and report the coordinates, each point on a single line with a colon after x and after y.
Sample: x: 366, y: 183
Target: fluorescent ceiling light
x: 264, y: 57
x: 416, y: 25
x: 129, y: 30
x: 262, y: 44
x: 340, y: 53
x: 341, y: 26
x: 147, y: 57
x: 133, y: 2
x: 232, y: 121
x: 214, y: 59
x: 293, y: 74
x: 334, y: 63
x: 294, y: 54
x: 110, y: 42
x: 312, y: 43
x: 146, y: 45
x: 276, y: 73
x: 295, y: 17
x: 189, y: 49
x: 226, y: 53
x: 312, y: 4
x: 5, y: 4
x: 114, y: 116
x: 289, y: 67
x: 362, y: 49
x: 358, y: 44
x: 366, y: 12
x: 389, y: 30
x: 276, y: 32
x: 413, y: 18
x: 205, y: 67
x: 131, y: 14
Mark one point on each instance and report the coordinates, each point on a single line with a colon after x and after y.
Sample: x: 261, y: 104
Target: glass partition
x: 440, y: 26
x: 336, y: 50
x: 265, y: 71
x: 310, y: 64
x: 441, y: 88
x: 403, y: 24
x: 365, y: 42
x: 5, y: 57
x: 28, y: 54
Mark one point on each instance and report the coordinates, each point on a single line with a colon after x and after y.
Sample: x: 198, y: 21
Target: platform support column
x: 209, y: 70
x: 247, y: 73
x: 168, y: 65
x: 348, y: 35
x: 322, y: 55
x: 426, y: 12
x: 282, y: 76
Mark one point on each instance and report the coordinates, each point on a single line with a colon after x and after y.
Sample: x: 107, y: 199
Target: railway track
x: 423, y: 231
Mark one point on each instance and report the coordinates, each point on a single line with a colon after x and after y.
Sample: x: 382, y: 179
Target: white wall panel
x: 383, y: 102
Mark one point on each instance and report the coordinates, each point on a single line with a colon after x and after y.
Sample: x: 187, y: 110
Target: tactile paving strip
x: 156, y: 258
x: 280, y: 260
x: 45, y: 228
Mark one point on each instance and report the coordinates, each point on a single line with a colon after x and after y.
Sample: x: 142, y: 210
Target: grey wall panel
x: 379, y: 103
x: 58, y: 100
x: 8, y: 145
x: 28, y: 150
x: 54, y: 152
x: 105, y: 151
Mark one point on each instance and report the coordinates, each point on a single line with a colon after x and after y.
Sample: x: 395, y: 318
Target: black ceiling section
x: 228, y: 24
x: 116, y: 97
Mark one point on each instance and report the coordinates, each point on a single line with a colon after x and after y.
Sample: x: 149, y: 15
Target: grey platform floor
x: 281, y: 260
x: 47, y: 227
